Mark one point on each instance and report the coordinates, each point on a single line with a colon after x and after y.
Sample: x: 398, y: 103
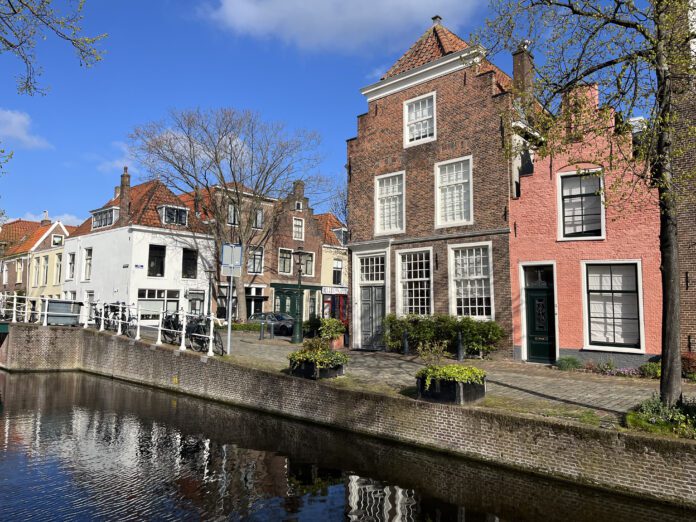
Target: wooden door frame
x: 523, y: 305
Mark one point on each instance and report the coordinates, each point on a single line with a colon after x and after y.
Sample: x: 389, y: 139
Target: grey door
x: 372, y: 317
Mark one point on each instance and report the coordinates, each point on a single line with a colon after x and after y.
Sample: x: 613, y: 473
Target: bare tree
x: 638, y: 54
x: 233, y: 166
x: 338, y: 204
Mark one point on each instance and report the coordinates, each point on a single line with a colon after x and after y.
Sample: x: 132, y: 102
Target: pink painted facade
x: 629, y: 238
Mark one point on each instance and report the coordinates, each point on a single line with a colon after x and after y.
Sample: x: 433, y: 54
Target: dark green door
x: 371, y: 317
x: 540, y: 310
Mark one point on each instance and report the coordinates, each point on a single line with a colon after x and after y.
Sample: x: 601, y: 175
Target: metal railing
x: 174, y: 327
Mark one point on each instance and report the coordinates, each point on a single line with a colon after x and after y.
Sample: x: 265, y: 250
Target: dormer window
x: 56, y: 240
x: 419, y: 120
x: 174, y: 215
x: 341, y: 235
x: 104, y: 218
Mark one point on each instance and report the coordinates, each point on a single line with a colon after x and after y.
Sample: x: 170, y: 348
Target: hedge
x: 477, y: 336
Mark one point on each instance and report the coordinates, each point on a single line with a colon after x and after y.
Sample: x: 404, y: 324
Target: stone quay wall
x: 636, y: 464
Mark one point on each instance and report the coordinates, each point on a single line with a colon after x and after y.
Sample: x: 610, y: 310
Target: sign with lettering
x: 334, y: 290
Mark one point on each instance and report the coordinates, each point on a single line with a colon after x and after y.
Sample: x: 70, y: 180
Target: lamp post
x: 210, y: 273
x: 297, y: 328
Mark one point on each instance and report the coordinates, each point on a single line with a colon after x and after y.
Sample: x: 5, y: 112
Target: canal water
x: 80, y: 447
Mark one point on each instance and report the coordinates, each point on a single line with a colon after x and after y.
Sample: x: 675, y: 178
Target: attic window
x: 298, y: 205
x: 174, y: 216
x: 56, y: 240
x: 341, y: 235
x: 419, y: 120
x: 104, y: 218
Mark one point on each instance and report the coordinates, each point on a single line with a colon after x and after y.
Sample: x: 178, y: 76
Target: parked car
x: 282, y: 323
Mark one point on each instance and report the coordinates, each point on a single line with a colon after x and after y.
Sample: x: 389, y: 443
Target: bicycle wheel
x: 131, y: 328
x: 218, y: 348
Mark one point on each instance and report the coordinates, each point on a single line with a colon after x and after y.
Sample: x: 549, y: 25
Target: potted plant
x: 449, y: 383
x: 316, y: 360
x: 332, y: 330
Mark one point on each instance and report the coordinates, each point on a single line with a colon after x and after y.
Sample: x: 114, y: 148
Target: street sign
x: 231, y: 271
x: 231, y: 256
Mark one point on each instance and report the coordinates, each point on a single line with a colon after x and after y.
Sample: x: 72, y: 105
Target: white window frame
x: 356, y: 284
x: 292, y: 260
x: 5, y: 273
x: 57, y: 236
x: 436, y: 171
x: 84, y: 263
x: 408, y: 144
x: 114, y: 217
x: 333, y: 271
x: 44, y: 270
x: 235, y: 213
x: 377, y: 231
x: 293, y: 229
x: 452, y: 287
x: 163, y: 215
x: 559, y: 205
x: 70, y: 272
x: 19, y: 271
x: 252, y: 250
x: 35, y: 272
x: 585, y: 318
x: 314, y: 265
x: 57, y: 269
x: 399, y: 288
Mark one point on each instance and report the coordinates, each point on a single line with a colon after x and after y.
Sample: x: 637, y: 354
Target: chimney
x: 523, y: 69
x: 298, y: 188
x: 437, y: 20
x: 125, y: 195
x: 44, y: 220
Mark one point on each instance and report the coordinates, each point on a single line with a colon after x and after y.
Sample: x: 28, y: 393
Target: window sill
x: 615, y: 349
x: 389, y: 233
x: 587, y: 238
x: 453, y: 225
x: 408, y: 145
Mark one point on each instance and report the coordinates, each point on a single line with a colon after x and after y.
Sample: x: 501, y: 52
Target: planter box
x: 308, y: 370
x: 337, y: 344
x: 451, y: 391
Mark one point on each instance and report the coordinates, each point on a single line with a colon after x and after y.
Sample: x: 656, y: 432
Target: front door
x: 540, y: 311
x: 371, y: 317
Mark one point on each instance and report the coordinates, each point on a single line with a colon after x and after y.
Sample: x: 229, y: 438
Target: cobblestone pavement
x: 527, y: 388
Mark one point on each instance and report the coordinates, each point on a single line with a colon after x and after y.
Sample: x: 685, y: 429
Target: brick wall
x: 652, y: 468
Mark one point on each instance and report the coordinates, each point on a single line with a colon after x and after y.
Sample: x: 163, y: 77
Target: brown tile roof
x: 327, y: 224
x: 22, y: 247
x: 17, y: 230
x: 435, y: 43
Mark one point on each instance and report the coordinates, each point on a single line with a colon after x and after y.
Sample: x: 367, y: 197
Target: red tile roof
x: 435, y: 43
x: 22, y: 247
x: 17, y: 230
x: 327, y: 224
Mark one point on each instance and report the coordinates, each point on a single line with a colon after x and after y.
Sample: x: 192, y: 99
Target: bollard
x: 261, y: 332
x: 44, y: 309
x: 159, y: 329
x: 182, y: 346
x: 118, y: 319
x: 404, y: 342
x: 271, y: 330
x: 14, y: 308
x: 137, y: 323
x: 460, y: 348
x: 210, y: 339
x: 103, y: 317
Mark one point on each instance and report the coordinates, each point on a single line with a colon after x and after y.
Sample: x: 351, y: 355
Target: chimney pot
x: 437, y: 20
x: 45, y: 220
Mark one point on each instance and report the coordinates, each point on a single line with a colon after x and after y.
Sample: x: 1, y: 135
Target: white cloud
x: 66, y: 219
x: 116, y: 164
x: 338, y: 24
x: 15, y: 128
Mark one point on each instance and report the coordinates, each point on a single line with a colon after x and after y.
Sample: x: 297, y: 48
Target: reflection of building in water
x: 369, y: 500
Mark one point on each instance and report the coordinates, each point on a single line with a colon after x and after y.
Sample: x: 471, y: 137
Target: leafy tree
x: 638, y: 54
x: 233, y: 165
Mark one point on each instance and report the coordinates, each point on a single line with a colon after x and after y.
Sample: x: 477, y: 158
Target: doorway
x: 540, y: 316
x: 372, y: 317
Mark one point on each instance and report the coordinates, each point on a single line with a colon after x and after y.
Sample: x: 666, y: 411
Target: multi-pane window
x: 390, y: 203
x: 155, y: 262
x: 36, y: 272
x: 175, y: 216
x: 189, y: 263
x: 308, y: 264
x: 372, y: 269
x: 472, y: 281
x: 44, y: 271
x: 415, y: 283
x: 258, y: 219
x: 255, y: 262
x: 285, y: 261
x: 337, y: 271
x: 612, y: 296
x: 88, y: 264
x: 232, y: 214
x: 153, y: 302
x: 581, y: 206
x: 5, y: 274
x: 454, y: 192
x: 298, y: 229
x: 103, y: 218
x: 58, y: 271
x: 19, y: 271
x: 420, y: 119
x: 71, y: 266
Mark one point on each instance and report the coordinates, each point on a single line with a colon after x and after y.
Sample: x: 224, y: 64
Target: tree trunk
x: 670, y: 381
x: 241, y: 297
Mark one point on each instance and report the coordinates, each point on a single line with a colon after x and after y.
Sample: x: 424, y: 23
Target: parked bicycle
x: 171, y: 328
x: 198, y: 336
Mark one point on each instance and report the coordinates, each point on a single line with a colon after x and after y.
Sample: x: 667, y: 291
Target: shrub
x: 590, y: 365
x: 651, y: 370
x: 607, y: 366
x: 688, y: 363
x: 331, y: 329
x: 568, y: 363
x: 317, y: 351
x: 477, y: 336
x: 623, y: 372
x: 432, y: 352
x: 243, y: 327
x: 655, y: 417
x: 310, y: 327
x: 451, y: 372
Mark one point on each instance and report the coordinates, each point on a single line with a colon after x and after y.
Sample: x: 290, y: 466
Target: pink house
x: 584, y: 255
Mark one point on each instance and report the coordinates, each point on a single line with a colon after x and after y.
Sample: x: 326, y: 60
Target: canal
x: 80, y: 447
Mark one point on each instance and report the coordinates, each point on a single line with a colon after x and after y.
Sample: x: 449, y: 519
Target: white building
x: 141, y: 248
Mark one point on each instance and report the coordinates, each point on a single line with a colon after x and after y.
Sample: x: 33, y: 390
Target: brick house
x: 13, y: 276
x: 584, y: 262
x: 428, y: 190
x: 334, y: 267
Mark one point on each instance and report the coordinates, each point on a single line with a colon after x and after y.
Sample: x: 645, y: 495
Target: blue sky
x: 297, y: 61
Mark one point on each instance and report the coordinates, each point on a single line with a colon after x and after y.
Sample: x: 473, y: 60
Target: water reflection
x: 77, y: 446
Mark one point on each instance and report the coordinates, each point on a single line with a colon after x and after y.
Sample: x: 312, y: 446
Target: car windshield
x: 284, y: 317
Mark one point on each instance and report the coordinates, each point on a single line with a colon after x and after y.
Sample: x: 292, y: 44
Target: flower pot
x: 451, y: 391
x: 309, y: 370
x: 337, y: 344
